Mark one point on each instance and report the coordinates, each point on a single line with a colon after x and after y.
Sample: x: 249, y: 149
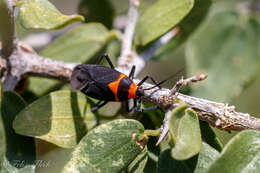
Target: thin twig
x: 132, y: 18
x: 174, y: 93
x: 183, y: 82
x: 128, y: 57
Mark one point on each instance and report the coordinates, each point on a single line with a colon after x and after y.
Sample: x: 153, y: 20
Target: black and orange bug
x: 107, y: 84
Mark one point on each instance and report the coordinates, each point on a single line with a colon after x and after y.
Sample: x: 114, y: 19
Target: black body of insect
x: 107, y: 84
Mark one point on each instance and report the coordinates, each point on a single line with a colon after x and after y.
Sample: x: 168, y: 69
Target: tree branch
x: 24, y: 61
x: 219, y: 115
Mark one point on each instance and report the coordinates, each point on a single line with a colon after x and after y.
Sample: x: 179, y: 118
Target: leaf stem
x: 152, y: 156
x: 152, y: 132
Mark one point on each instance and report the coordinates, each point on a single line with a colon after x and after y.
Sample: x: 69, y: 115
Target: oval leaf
x: 2, y: 141
x: 62, y: 118
x: 2, y: 130
x: 226, y: 47
x: 241, y: 154
x: 108, y: 148
x: 20, y: 150
x: 186, y: 27
x: 162, y: 16
x: 185, y: 131
x: 139, y: 162
x: 78, y: 45
x: 206, y: 157
x: 196, y: 164
x: 208, y: 135
x: 41, y: 14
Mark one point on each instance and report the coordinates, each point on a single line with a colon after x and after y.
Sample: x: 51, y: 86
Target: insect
x: 107, y: 84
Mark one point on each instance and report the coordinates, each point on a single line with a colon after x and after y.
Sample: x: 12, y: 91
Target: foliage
x: 240, y: 33
x: 222, y: 38
x: 41, y: 14
x: 163, y: 16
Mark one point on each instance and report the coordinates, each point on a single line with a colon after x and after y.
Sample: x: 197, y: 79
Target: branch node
x: 218, y: 123
x: 183, y: 82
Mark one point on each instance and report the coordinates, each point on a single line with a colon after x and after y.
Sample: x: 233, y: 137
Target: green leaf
x: 186, y: 27
x: 226, y: 47
x: 150, y: 166
x: 138, y: 164
x: 241, y: 154
x: 206, y: 157
x: 167, y: 164
x: 113, y: 48
x: 2, y: 143
x: 18, y: 166
x: 108, y: 148
x: 98, y: 11
x: 20, y: 150
x: 62, y: 118
x: 41, y: 14
x: 2, y: 131
x: 197, y: 164
x: 161, y: 17
x: 208, y: 135
x: 185, y: 131
x: 80, y: 45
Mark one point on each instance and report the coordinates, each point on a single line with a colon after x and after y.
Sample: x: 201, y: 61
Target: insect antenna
x: 165, y: 80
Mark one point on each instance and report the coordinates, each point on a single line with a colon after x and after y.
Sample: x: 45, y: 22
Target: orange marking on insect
x: 113, y: 86
x: 132, y: 90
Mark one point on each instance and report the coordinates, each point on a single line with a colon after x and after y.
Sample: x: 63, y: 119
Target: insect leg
x: 128, y: 105
x: 132, y: 73
x: 108, y: 60
x: 149, y: 109
x: 98, y: 105
x: 152, y: 79
x: 138, y: 108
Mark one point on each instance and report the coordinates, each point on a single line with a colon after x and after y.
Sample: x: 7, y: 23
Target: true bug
x: 107, y: 84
